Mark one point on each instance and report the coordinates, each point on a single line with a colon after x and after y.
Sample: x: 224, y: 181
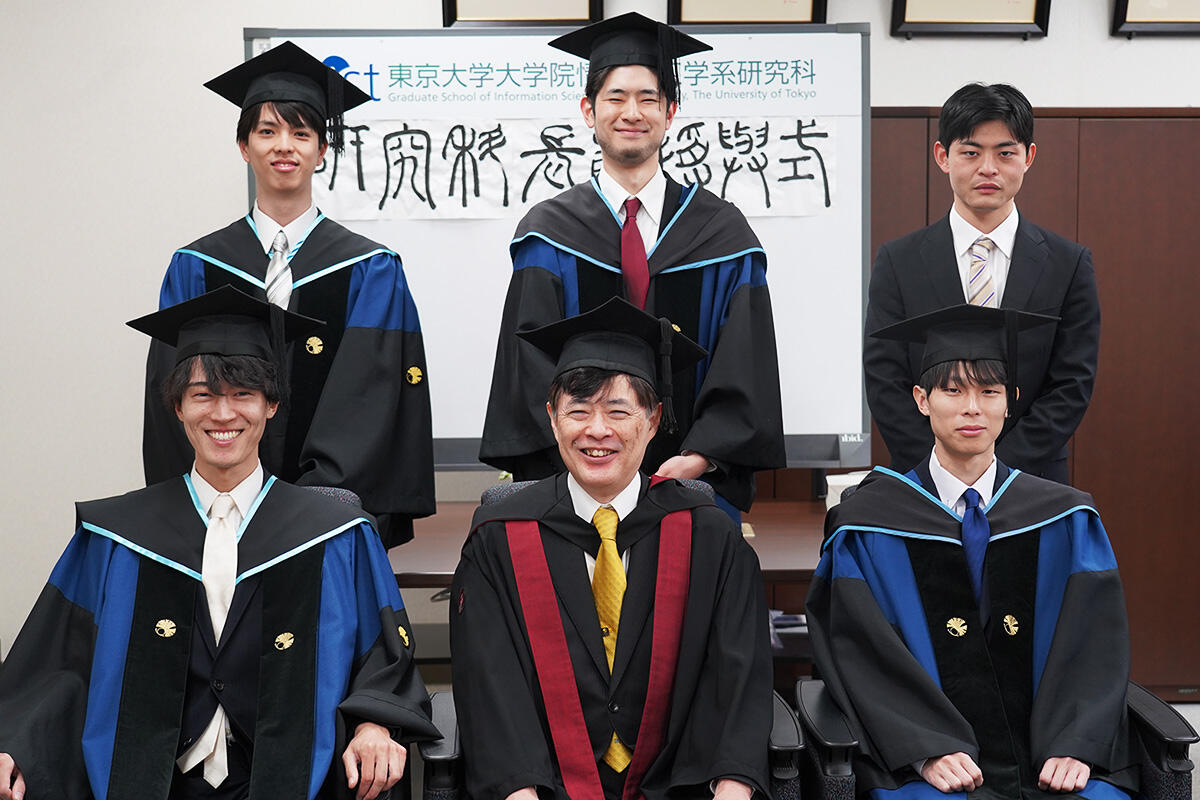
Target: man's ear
x: 941, y: 157
x: 179, y: 411
x: 655, y: 418
x: 589, y: 113
x: 271, y: 409
x: 922, y: 400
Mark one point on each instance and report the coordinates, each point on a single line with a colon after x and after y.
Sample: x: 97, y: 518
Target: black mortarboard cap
x: 633, y: 39
x: 288, y: 73
x: 619, y: 336
x: 967, y: 333
x: 225, y: 322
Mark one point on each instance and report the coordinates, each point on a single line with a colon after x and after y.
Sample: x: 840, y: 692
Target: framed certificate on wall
x: 521, y: 12
x: 696, y: 11
x: 1156, y: 16
x: 1010, y: 17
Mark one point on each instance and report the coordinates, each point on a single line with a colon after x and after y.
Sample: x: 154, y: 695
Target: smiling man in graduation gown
x: 682, y: 253
x: 968, y: 617
x: 222, y: 634
x: 358, y: 414
x: 609, y: 631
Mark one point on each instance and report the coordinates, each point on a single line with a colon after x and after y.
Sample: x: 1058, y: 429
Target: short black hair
x: 246, y: 372
x: 296, y: 114
x: 984, y: 372
x: 977, y: 103
x: 583, y: 383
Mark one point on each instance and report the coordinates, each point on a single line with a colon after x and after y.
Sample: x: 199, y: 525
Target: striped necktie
x: 981, y: 289
x: 608, y: 589
x: 279, y: 272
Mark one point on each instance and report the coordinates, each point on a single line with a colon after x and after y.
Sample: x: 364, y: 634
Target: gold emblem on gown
x: 314, y: 345
x: 165, y: 628
x: 1011, y: 625
x: 284, y: 640
x: 956, y: 626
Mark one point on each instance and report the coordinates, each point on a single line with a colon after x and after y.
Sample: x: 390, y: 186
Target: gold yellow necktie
x: 608, y: 589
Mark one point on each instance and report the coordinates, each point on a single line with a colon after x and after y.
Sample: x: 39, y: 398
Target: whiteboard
x: 468, y: 128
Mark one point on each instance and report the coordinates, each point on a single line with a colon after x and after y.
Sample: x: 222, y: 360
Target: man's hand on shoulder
x: 528, y: 793
x: 373, y: 761
x: 955, y: 772
x: 690, y: 467
x: 12, y: 782
x: 729, y: 789
x: 1064, y: 774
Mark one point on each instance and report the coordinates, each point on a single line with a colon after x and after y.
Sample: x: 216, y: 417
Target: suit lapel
x: 571, y: 584
x: 1025, y: 270
x: 941, y: 265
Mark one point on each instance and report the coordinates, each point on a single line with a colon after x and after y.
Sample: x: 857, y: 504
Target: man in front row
x: 609, y: 630
x: 969, y: 618
x: 221, y: 634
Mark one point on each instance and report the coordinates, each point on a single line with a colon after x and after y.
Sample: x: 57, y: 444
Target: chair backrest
x: 338, y: 493
x: 502, y: 491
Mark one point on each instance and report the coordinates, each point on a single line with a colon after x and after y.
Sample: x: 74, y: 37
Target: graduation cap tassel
x: 668, y: 71
x: 666, y: 388
x: 335, y: 103
x: 279, y: 346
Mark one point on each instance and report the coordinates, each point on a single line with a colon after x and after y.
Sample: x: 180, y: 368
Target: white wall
x: 117, y: 156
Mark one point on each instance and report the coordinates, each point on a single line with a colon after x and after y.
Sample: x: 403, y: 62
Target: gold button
x: 956, y: 626
x: 165, y: 628
x: 414, y: 375
x: 284, y: 640
x: 403, y: 634
x: 1010, y: 625
x: 314, y: 345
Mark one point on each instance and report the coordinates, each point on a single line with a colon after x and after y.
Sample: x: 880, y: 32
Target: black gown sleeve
x: 495, y: 682
x: 516, y: 431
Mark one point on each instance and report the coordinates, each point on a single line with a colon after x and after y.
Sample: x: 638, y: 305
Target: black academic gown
x: 357, y: 415
x: 115, y: 671
x: 707, y: 275
x: 898, y: 637
x: 720, y: 713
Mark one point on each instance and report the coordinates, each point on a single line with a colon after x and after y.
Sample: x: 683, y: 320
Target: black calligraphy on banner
x: 805, y: 132
x: 747, y: 147
x: 555, y: 166
x: 407, y: 154
x: 767, y: 166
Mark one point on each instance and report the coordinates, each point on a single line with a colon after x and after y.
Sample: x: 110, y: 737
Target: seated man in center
x: 967, y: 617
x: 609, y: 631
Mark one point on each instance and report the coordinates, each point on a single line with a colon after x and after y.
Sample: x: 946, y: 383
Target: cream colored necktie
x: 279, y: 272
x: 981, y: 289
x: 608, y: 589
x: 218, y: 573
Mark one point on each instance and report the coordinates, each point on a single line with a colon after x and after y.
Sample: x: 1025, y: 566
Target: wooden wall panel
x: 1137, y: 448
x: 899, y: 195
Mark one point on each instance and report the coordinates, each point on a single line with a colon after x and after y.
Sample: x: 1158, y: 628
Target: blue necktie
x: 975, y: 534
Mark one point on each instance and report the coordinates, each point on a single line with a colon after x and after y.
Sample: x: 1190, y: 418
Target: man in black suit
x: 984, y: 253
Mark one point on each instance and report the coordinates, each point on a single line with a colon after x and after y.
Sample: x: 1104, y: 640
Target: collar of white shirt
x: 652, y: 196
x: 585, y: 505
x: 950, y: 489
x: 294, y: 230
x: 243, y: 494
x: 965, y: 234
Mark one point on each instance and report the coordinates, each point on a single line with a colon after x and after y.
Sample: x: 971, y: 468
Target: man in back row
x: 358, y: 415
x: 986, y: 254
x: 678, y: 252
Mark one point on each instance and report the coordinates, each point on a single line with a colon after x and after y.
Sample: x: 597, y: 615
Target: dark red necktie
x: 633, y: 256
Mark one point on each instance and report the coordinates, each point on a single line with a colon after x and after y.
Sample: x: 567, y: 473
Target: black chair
x: 1164, y: 736
x: 443, y: 759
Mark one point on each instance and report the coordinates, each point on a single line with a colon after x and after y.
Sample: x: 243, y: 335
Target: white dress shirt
x: 244, y: 494
x: 585, y: 508
x: 652, y: 196
x: 950, y: 489
x: 1004, y: 236
x: 295, y: 231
